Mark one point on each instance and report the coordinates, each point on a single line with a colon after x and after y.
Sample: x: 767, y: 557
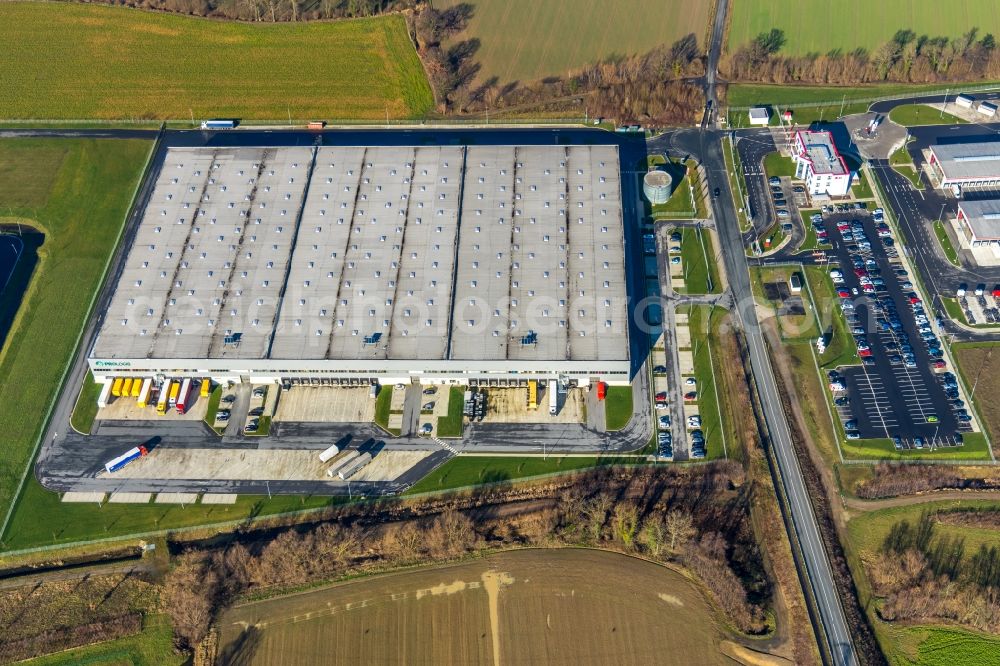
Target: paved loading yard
x: 127, y: 409
x: 510, y: 405
x: 330, y: 404
x: 256, y: 464
x: 889, y: 399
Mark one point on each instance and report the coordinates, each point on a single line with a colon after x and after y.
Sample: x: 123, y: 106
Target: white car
x: 691, y: 381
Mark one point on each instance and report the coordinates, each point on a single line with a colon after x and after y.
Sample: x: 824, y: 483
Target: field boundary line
x: 15, y: 498
x: 857, y: 100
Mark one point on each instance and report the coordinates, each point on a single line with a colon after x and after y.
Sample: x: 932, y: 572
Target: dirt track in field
x: 567, y: 606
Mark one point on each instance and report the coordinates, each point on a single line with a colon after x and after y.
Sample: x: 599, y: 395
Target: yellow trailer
x: 116, y: 388
x: 532, y: 394
x: 136, y: 387
x: 161, y: 401
x: 206, y: 387
x: 127, y: 387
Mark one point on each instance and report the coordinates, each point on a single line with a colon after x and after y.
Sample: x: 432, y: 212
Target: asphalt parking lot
x: 889, y: 395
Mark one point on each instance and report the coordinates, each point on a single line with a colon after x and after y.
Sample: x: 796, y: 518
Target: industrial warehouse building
x: 980, y: 222
x: 960, y: 165
x: 818, y: 163
x: 438, y: 264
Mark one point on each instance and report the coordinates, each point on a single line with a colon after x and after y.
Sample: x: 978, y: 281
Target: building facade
x: 820, y: 165
x: 980, y: 222
x: 964, y: 165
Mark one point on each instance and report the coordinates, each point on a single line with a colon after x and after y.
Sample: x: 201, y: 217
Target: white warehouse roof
x: 393, y: 252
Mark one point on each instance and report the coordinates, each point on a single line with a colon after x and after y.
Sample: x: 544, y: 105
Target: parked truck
x: 144, y: 392
x: 355, y: 466
x: 206, y: 387
x: 136, y: 387
x: 161, y: 402
x: 116, y: 388
x: 126, y: 387
x: 329, y: 453
x: 553, y: 397
x: 184, y: 396
x: 218, y: 123
x: 175, y: 389
x: 602, y: 390
x: 340, y: 464
x: 116, y: 464
x: 102, y: 400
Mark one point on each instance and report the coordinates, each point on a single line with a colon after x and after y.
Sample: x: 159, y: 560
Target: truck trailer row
x: 172, y: 393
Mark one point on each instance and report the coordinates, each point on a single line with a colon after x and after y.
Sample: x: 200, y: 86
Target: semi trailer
x: 339, y: 465
x: 218, y: 123
x: 553, y: 397
x: 329, y: 453
x: 116, y: 464
x: 144, y: 392
x: 355, y: 466
x: 184, y: 396
x: 102, y: 400
x: 161, y: 402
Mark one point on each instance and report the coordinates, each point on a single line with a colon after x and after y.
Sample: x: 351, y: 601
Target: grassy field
x: 382, y: 405
x: 81, y: 206
x: 793, y: 327
x: 939, y: 646
x: 705, y: 373
x: 41, y: 519
x: 869, y: 530
x: 911, y: 115
x: 524, y: 40
x: 451, y: 425
x: 775, y: 164
x: 464, y: 471
x: 980, y: 369
x: 618, y: 407
x: 856, y: 23
x: 840, y: 349
x: 949, y: 249
x: 153, y: 646
x: 862, y: 189
x: 76, y: 61
x: 575, y: 605
x: 85, y: 409
x: 701, y: 270
x: 973, y: 448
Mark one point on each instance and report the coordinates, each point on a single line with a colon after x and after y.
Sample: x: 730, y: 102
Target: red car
x: 662, y: 395
x: 865, y: 352
x: 693, y: 395
x: 843, y: 293
x: 860, y: 272
x: 914, y: 299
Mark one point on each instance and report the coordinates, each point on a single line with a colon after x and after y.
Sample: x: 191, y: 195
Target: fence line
x: 957, y: 89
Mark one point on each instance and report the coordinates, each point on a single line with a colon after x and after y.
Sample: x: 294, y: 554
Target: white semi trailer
x: 355, y: 466
x: 339, y: 465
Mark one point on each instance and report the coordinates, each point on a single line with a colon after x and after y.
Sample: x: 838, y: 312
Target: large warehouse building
x: 965, y: 164
x: 479, y: 264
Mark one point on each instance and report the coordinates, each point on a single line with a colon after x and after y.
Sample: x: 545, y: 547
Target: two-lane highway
x: 707, y: 144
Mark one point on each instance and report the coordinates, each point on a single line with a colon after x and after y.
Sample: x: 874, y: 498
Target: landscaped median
x: 617, y: 407
x: 734, y: 172
x: 946, y: 246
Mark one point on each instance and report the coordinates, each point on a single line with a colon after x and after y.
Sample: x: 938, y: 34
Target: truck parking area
x: 329, y: 404
x: 510, y: 405
x: 902, y: 389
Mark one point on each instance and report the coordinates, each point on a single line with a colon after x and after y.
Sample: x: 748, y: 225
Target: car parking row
x: 981, y: 306
x: 893, y: 393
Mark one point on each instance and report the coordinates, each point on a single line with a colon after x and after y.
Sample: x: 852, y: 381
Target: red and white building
x: 818, y: 163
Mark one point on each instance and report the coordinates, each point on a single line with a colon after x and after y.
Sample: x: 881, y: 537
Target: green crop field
x: 75, y: 61
x: 817, y: 26
x: 80, y: 197
x: 526, y: 40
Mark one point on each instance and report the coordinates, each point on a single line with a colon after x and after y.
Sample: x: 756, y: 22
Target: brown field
x: 565, y: 606
x: 980, y: 366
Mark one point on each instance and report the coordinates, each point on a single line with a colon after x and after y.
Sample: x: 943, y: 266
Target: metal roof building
x: 979, y: 220
x: 965, y: 164
x: 391, y: 263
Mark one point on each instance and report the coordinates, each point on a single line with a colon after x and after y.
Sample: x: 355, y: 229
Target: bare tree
x: 680, y: 529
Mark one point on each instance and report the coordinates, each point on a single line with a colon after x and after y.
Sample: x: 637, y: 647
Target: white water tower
x: 656, y: 186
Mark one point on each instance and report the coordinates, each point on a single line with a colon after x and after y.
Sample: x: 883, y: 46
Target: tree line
x: 893, y: 479
x: 928, y: 577
x: 697, y: 519
x: 654, y: 88
x: 905, y: 58
x: 272, y: 11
